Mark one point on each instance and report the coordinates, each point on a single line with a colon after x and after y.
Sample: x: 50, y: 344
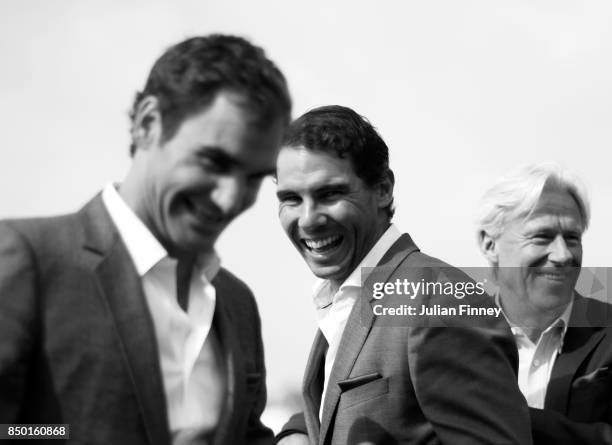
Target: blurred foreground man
x: 366, y: 383
x: 118, y: 320
x: 530, y: 229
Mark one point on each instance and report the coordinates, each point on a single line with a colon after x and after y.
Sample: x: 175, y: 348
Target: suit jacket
x: 415, y: 385
x: 578, y: 403
x: 77, y: 343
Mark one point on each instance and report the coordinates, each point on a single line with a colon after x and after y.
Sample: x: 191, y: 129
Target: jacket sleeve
x: 295, y: 425
x: 551, y: 427
x: 465, y: 381
x: 257, y: 433
x: 17, y: 320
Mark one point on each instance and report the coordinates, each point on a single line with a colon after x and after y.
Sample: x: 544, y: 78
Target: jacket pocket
x: 589, y: 399
x: 592, y: 377
x: 362, y: 388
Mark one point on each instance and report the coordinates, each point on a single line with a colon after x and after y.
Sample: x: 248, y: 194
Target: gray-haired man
x: 530, y: 229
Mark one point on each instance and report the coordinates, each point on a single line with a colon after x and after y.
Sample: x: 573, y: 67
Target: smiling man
x: 118, y: 320
x: 367, y: 382
x: 530, y: 230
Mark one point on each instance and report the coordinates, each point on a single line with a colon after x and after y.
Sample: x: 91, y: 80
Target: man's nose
x: 310, y: 216
x: 559, y: 253
x: 230, y: 195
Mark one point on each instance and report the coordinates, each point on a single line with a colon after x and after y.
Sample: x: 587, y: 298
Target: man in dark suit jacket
x: 530, y: 230
x: 118, y: 320
x: 367, y: 380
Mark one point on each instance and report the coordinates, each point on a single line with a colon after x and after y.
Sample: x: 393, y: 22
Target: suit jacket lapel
x: 580, y: 340
x: 357, y: 329
x: 352, y: 341
x: 312, y: 388
x: 234, y: 370
x: 122, y: 290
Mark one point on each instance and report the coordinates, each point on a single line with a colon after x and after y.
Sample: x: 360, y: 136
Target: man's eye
x: 208, y: 164
x: 213, y: 165
x: 542, y: 237
x: 331, y: 194
x: 290, y: 200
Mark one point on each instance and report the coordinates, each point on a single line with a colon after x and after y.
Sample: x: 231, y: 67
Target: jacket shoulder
x: 590, y: 312
x: 431, y: 265
x: 230, y: 282
x: 237, y: 294
x: 43, y: 233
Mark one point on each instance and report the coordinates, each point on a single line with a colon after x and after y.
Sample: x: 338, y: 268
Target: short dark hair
x: 343, y: 132
x: 189, y: 75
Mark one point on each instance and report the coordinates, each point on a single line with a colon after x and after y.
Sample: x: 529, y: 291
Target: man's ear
x: 147, y: 126
x: 488, y: 246
x: 384, y: 189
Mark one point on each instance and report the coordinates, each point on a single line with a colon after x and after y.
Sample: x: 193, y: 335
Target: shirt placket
x: 199, y: 319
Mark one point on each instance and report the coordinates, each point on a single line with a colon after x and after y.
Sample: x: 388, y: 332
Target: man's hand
x: 294, y: 439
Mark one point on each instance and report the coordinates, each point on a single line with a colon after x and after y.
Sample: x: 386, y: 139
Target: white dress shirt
x: 333, y: 310
x: 189, y: 351
x: 536, y: 360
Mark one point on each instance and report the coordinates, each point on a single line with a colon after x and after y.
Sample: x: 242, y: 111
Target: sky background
x: 461, y: 91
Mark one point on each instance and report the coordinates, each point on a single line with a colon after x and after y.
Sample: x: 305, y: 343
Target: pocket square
x: 592, y: 376
x: 354, y: 382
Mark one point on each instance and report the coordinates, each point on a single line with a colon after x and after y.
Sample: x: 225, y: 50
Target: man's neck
x: 531, y: 320
x: 334, y: 284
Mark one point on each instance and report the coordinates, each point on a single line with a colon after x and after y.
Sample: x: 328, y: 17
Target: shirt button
x: 536, y: 363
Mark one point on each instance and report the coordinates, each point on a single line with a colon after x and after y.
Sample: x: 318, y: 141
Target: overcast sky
x: 462, y: 91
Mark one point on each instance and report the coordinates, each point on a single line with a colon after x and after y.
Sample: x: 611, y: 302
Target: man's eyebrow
x: 317, y: 190
x: 226, y: 160
x: 218, y: 155
x: 546, y: 230
x: 573, y: 231
x: 284, y: 193
x: 333, y: 186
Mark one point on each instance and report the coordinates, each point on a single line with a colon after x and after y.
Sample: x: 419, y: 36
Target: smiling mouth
x: 554, y: 276
x: 560, y: 275
x: 202, y: 211
x: 322, y: 245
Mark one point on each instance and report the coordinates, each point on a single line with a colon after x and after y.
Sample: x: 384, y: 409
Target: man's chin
x: 331, y: 267
x: 555, y: 290
x: 554, y: 302
x: 195, y: 244
x: 335, y: 272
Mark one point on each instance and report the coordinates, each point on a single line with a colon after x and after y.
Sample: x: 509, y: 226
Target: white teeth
x: 321, y: 243
x: 556, y: 276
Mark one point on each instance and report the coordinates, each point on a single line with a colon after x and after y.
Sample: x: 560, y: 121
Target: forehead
x: 300, y: 168
x: 555, y: 206
x: 228, y: 126
x: 225, y: 110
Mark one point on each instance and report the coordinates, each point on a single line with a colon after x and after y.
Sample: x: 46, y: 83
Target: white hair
x: 516, y: 195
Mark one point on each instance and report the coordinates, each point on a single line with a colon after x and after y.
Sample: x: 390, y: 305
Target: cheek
x: 533, y: 255
x: 515, y: 278
x: 514, y: 256
x: 345, y: 214
x: 190, y: 178
x: 286, y: 218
